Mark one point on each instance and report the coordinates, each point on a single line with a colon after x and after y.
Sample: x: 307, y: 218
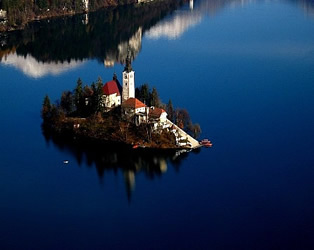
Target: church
x: 131, y: 108
x: 113, y: 94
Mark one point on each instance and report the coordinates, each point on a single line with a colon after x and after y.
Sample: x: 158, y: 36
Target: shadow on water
x: 116, y: 157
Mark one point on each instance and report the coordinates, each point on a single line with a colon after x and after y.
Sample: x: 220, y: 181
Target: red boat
x: 206, y: 143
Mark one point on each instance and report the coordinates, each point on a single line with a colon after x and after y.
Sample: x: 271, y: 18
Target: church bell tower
x: 128, y: 88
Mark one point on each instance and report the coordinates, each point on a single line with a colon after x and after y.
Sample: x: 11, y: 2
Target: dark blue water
x: 243, y: 70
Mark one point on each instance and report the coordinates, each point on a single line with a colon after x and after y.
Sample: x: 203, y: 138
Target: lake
x: 245, y: 72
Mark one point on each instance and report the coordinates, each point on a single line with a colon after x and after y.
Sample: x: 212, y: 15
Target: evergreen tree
x: 99, y: 95
x: 46, y: 108
x: 154, y: 100
x: 170, y: 110
x: 78, y: 97
x: 67, y: 102
x: 145, y: 94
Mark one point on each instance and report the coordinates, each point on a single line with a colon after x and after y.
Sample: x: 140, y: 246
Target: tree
x: 154, y: 100
x: 195, y: 129
x: 67, y: 102
x: 78, y: 96
x: 170, y: 110
x: 143, y: 94
x: 42, y: 4
x: 97, y: 97
x: 182, y: 118
x: 46, y: 108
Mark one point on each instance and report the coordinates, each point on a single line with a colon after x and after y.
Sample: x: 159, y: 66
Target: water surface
x: 243, y: 70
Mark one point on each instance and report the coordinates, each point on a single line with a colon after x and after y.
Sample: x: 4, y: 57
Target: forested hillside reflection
x: 101, y: 35
x: 106, y: 35
x: 119, y: 158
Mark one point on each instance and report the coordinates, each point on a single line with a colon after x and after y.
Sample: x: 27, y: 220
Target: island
x: 112, y: 113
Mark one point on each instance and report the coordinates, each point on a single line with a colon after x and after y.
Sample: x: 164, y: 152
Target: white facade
x: 140, y: 110
x: 163, y: 117
x: 128, y: 89
x: 133, y: 111
x: 3, y: 14
x: 112, y: 100
x: 85, y: 4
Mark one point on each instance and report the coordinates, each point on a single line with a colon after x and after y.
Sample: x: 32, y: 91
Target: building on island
x: 137, y: 112
x: 157, y: 114
x: 134, y: 110
x: 128, y: 88
x: 85, y: 4
x: 112, y: 93
x: 158, y: 117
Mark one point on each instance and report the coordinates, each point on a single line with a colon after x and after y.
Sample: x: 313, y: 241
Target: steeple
x: 128, y: 87
x: 114, y: 76
x: 128, y: 66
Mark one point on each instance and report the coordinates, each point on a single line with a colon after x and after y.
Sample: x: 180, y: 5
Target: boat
x: 206, y: 143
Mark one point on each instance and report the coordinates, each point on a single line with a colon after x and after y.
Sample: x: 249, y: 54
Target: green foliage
x: 195, y: 130
x: 154, y: 98
x: 46, y: 108
x: 84, y: 106
x: 143, y: 94
x: 170, y: 110
x: 51, y: 113
x: 42, y: 4
x: 79, y: 101
x: 96, y: 98
x: 20, y: 11
x: 98, y: 95
x: 67, y: 102
x: 150, y: 98
x: 180, y: 117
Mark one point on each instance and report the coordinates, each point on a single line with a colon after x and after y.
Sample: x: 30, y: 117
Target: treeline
x: 70, y: 39
x: 86, y: 101
x: 21, y: 11
x: 180, y: 117
x: 83, y: 101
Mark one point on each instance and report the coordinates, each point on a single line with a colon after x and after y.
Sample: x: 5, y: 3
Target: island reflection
x: 119, y: 158
x: 105, y: 35
x: 58, y: 45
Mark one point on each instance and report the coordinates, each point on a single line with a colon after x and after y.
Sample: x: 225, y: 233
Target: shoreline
x: 70, y: 136
x: 32, y: 17
x: 44, y: 15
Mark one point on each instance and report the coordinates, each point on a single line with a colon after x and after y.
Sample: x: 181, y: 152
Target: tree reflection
x: 111, y: 157
x: 98, y: 35
x: 106, y: 35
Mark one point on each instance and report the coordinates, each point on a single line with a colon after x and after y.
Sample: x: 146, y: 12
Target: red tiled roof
x: 156, y: 112
x: 111, y: 88
x: 133, y: 103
